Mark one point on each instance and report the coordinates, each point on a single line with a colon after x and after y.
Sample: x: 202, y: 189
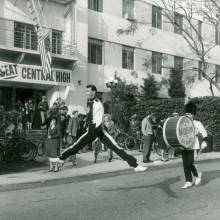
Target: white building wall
x: 113, y: 7
x: 6, y: 37
x: 112, y: 54
x: 167, y: 26
x: 104, y: 26
x: 75, y: 95
x: 18, y: 11
x: 72, y: 19
x: 141, y: 57
x: 143, y: 12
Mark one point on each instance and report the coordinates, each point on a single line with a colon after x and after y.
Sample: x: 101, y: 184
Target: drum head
x: 179, y: 132
x: 185, y: 131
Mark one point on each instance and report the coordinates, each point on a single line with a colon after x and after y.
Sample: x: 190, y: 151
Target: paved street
x: 154, y: 194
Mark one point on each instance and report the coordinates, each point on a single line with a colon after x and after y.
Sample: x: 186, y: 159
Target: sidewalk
x: 86, y: 167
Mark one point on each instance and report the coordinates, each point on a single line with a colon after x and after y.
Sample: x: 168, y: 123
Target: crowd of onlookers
x: 149, y: 132
x: 70, y: 126
x: 63, y: 129
x: 66, y: 129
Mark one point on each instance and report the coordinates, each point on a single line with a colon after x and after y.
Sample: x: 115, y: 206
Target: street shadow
x: 81, y: 162
x: 18, y: 166
x: 209, y: 176
x: 165, y: 186
x: 21, y: 166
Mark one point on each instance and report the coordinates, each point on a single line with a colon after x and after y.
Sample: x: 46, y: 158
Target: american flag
x: 44, y: 48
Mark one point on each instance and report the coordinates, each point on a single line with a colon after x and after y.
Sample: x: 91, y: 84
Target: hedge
x: 208, y: 112
x: 162, y: 107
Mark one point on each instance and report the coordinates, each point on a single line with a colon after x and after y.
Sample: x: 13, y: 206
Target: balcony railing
x: 29, y: 41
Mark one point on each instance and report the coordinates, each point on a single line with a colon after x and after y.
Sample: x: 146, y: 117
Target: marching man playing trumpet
x: 189, y: 167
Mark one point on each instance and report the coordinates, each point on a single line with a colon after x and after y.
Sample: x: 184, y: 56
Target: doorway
x: 35, y: 95
x: 6, y: 98
x: 24, y: 94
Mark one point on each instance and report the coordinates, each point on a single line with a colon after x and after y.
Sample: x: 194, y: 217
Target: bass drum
x: 179, y: 132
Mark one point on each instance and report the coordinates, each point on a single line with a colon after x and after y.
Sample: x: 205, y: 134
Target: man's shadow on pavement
x: 209, y: 176
x: 81, y: 162
x: 165, y: 186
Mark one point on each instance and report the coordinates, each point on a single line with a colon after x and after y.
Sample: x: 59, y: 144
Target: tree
x: 176, y: 89
x: 124, y: 91
x: 124, y: 97
x: 149, y: 88
x: 199, y: 46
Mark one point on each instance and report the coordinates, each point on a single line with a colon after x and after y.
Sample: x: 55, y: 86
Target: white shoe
x: 140, y: 169
x: 187, y: 185
x: 198, y: 179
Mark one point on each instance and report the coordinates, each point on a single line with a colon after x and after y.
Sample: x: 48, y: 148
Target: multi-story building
x: 21, y: 76
x: 156, y: 44
x: 86, y: 49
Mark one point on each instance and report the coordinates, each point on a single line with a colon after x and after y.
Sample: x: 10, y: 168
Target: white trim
x: 164, y: 134
x: 75, y: 142
x: 111, y: 139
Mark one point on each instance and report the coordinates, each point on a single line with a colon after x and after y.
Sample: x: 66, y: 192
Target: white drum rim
x: 177, y: 128
x: 164, y: 135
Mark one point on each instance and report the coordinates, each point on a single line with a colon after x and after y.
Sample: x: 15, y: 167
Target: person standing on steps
x: 43, y: 108
x: 96, y: 130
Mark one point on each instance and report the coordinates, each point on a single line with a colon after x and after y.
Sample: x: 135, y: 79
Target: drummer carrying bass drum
x: 188, y: 154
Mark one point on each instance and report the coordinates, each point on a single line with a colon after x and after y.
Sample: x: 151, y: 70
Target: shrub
x: 150, y: 89
x: 177, y: 89
x: 208, y: 112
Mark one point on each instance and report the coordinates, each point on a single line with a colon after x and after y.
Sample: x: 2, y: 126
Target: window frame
x: 156, y: 62
x: 179, y: 18
x: 27, y: 36
x: 128, y: 9
x: 56, y: 41
x: 156, y: 17
x: 199, y: 72
x: 217, y: 35
x: 176, y: 61
x: 217, y: 73
x: 95, y: 51
x: 95, y: 5
x: 128, y: 56
x: 200, y: 28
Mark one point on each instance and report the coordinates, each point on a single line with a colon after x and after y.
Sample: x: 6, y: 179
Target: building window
x: 25, y: 36
x: 217, y: 36
x: 178, y: 64
x: 178, y: 26
x: 128, y: 57
x: 156, y: 17
x: 200, y: 29
x: 156, y: 62
x: 95, y: 51
x: 56, y: 42
x: 128, y: 9
x: 200, y: 70
x: 217, y: 73
x: 96, y: 5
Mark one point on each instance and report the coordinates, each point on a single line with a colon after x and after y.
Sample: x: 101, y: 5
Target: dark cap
x: 190, y: 108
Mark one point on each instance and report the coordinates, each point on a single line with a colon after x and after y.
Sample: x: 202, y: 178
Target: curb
x: 92, y: 176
